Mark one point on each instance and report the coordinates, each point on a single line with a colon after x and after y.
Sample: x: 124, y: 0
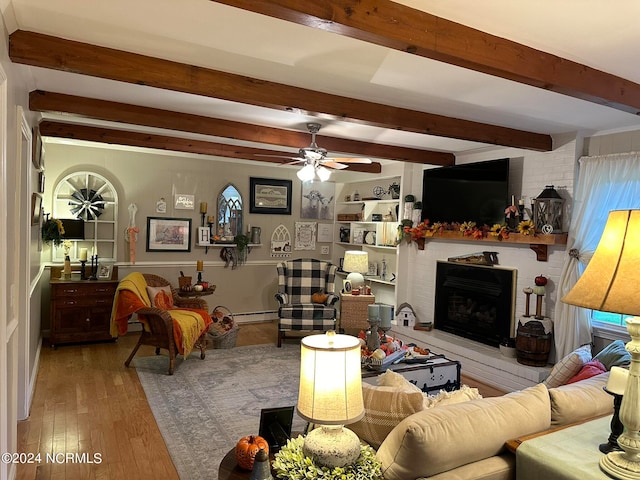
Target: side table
x: 229, y: 469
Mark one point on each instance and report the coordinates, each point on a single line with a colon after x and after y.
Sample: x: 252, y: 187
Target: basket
x: 221, y: 337
x: 184, y: 282
x: 354, y: 311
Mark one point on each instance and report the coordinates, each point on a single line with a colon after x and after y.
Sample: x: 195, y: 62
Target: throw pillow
x: 464, y: 394
x: 568, y: 367
x: 614, y: 355
x: 384, y: 408
x: 590, y: 369
x: 392, y: 379
x: 161, y: 297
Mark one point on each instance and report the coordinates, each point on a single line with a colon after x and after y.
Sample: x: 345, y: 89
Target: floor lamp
x: 610, y: 283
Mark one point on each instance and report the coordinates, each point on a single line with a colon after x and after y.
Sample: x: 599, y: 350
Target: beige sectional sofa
x: 467, y: 440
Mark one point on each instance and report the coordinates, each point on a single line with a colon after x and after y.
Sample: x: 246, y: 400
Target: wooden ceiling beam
x: 50, y: 128
x: 46, y: 51
x: 42, y: 101
x: 392, y: 25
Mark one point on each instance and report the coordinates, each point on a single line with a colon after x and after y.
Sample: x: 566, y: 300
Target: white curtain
x: 605, y: 183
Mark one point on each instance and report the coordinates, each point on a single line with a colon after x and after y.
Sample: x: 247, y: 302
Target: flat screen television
x: 477, y: 192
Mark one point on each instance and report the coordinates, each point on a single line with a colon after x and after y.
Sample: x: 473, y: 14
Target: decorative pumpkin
x: 319, y: 297
x: 247, y: 448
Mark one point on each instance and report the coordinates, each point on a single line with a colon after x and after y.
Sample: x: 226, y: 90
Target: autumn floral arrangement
x: 468, y: 229
x: 291, y: 463
x: 52, y: 231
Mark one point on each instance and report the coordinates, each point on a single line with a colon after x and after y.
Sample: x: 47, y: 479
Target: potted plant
x: 242, y: 246
x: 52, y: 231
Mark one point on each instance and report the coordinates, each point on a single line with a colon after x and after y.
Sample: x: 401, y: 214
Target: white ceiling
x: 208, y: 34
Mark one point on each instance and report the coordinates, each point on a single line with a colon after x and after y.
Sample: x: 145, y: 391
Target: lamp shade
x: 610, y: 281
x: 330, y: 379
x: 356, y: 261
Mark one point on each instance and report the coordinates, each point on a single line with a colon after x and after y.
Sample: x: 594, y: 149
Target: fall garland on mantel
x: 425, y: 230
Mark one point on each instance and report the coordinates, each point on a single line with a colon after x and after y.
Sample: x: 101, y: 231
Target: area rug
x: 206, y: 406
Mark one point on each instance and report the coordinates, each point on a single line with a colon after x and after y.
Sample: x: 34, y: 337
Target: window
x: 631, y: 200
x: 91, y: 197
x: 607, y: 318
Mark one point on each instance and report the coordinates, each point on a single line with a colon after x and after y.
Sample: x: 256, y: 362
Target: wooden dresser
x: 80, y: 310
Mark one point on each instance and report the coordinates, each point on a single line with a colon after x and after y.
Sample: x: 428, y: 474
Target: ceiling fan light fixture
x: 306, y: 173
x: 323, y: 173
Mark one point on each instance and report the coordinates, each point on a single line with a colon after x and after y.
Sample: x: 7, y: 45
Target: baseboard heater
x: 255, y: 317
x: 244, y: 317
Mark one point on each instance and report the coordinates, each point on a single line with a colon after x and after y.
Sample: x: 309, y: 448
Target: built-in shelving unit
x: 370, y: 223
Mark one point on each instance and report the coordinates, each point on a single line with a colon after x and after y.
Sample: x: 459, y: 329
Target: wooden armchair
x: 159, y: 324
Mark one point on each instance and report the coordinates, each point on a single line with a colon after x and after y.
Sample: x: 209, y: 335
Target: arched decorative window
x: 229, y: 212
x: 90, y: 197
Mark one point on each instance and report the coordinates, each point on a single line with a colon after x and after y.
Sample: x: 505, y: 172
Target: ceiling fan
x: 315, y: 160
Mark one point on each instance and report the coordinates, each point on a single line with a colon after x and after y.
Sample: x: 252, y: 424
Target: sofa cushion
x: 581, y: 400
x: 384, y: 408
x: 498, y: 467
x: 590, y: 369
x: 568, y: 367
x: 440, y: 439
x: 614, y: 355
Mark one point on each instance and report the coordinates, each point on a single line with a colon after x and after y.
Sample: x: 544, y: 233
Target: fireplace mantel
x: 538, y: 242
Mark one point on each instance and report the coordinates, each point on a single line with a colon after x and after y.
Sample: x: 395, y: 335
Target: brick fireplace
x: 475, y: 301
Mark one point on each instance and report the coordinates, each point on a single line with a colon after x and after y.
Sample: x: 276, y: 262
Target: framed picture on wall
x: 168, y: 234
x: 36, y: 208
x: 270, y: 195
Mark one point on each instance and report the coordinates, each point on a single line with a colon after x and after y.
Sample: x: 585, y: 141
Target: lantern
x: 547, y: 211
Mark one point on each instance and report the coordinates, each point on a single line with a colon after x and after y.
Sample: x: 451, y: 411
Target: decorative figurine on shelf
x: 539, y: 290
x: 131, y: 235
x: 527, y: 291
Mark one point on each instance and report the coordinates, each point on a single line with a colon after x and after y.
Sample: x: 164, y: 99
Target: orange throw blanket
x: 131, y: 295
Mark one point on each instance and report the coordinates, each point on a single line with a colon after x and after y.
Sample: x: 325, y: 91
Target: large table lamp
x: 356, y: 263
x: 610, y: 283
x: 330, y: 395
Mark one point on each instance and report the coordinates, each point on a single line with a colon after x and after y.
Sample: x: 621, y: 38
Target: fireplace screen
x: 475, y: 302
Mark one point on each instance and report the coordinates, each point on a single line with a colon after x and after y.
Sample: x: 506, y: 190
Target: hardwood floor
x: 87, y: 402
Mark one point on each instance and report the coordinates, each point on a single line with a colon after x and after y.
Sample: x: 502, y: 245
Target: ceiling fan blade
x: 375, y: 167
x: 295, y: 162
x: 331, y: 164
x: 276, y: 156
x: 351, y: 160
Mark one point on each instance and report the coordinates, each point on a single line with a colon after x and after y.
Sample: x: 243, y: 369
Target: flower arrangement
x: 467, y: 229
x: 52, y: 231
x: 291, y: 463
x: 526, y: 227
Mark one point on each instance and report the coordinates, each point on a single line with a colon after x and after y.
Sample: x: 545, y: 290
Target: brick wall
x: 530, y: 172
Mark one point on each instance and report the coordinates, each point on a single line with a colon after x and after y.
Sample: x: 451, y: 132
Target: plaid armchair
x: 297, y: 281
